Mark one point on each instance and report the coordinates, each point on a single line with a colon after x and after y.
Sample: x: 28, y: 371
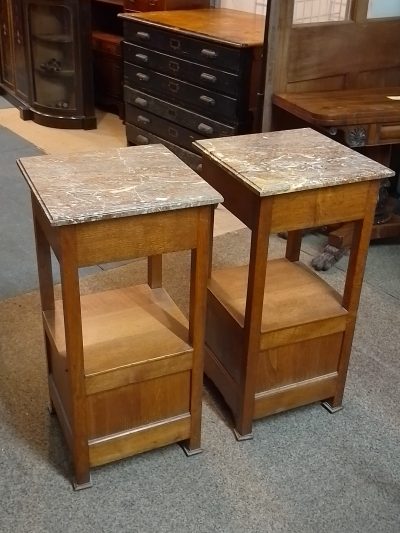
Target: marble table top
x: 85, y: 187
x: 283, y: 162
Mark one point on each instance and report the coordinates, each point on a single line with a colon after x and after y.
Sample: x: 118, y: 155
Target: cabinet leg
x: 239, y: 436
x: 81, y: 484
x: 189, y: 450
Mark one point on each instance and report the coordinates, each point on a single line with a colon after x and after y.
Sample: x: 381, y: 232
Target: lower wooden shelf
x: 137, y: 371
x: 301, y: 335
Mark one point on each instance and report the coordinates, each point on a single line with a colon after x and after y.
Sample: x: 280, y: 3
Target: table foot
x: 331, y: 409
x: 81, y: 486
x: 239, y: 437
x: 189, y: 452
x: 329, y: 257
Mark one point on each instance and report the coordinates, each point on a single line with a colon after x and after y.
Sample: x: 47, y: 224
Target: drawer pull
x: 173, y: 132
x: 141, y: 139
x: 208, y: 77
x: 142, y: 58
x: 210, y: 54
x: 140, y: 101
x: 171, y: 113
x: 203, y: 128
x: 142, y: 77
x: 207, y: 100
x: 143, y: 120
x: 173, y: 65
x: 173, y: 87
x: 143, y: 35
x: 175, y: 44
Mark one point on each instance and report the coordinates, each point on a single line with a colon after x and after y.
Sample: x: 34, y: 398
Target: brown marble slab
x: 116, y: 183
x: 282, y: 162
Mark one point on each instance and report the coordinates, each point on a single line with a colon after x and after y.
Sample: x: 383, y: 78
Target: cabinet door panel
x: 21, y: 78
x: 6, y: 52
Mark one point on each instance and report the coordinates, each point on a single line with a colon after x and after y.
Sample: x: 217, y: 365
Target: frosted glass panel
x: 314, y: 11
x: 383, y: 8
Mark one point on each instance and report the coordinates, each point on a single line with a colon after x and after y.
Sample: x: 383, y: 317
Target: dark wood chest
x: 191, y: 75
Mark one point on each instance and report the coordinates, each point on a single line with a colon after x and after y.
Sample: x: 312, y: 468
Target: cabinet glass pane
x: 383, y: 8
x: 52, y: 49
x: 314, y: 11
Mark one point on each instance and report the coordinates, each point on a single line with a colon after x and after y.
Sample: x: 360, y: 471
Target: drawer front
x: 207, y: 102
x: 208, y: 53
x: 138, y: 136
x: 210, y: 78
x: 161, y: 127
x: 193, y: 121
x: 106, y: 46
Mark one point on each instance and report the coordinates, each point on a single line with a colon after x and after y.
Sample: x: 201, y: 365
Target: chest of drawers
x: 190, y: 75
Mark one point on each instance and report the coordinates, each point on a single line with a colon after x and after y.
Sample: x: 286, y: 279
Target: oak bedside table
x: 277, y: 335
x: 125, y: 367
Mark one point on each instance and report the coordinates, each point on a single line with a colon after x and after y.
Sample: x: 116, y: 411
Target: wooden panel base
x: 300, y: 339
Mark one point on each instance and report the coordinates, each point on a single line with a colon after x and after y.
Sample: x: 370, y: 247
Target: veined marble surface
x: 282, y: 162
x: 122, y: 182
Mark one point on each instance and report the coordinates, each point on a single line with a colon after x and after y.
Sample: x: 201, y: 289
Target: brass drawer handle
x: 173, y: 87
x: 173, y: 65
x: 143, y: 120
x: 175, y: 44
x: 142, y: 102
x: 142, y: 77
x: 143, y: 58
x: 207, y: 100
x: 203, y: 128
x: 210, y: 54
x: 143, y: 35
x: 208, y: 77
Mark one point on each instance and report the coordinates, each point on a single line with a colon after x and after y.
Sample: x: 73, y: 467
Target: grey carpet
x: 4, y: 104
x: 306, y: 471
x: 18, y: 271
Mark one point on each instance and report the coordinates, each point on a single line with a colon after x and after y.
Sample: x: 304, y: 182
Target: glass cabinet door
x: 52, y: 55
x: 6, y: 55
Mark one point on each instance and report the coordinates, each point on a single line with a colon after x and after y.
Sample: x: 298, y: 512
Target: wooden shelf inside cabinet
x: 277, y: 335
x: 125, y: 366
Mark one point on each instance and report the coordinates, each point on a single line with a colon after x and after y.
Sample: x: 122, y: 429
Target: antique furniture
x: 190, y: 77
x: 125, y: 366
x: 313, y: 67
x: 277, y: 335
x: 364, y: 119
x: 106, y: 42
x: 46, y: 61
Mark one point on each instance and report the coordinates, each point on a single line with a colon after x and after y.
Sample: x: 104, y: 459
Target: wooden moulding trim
x: 137, y: 373
x: 137, y: 440
x: 313, y: 330
x: 222, y: 380
x: 61, y: 414
x: 295, y: 395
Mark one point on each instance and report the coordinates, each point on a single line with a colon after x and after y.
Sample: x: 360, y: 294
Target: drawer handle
x: 210, y: 54
x: 203, y: 128
x: 141, y: 139
x: 143, y: 35
x: 207, y: 100
x: 173, y: 87
x: 208, y: 77
x: 140, y: 101
x: 171, y: 112
x: 173, y: 65
x: 143, y: 120
x: 142, y: 58
x: 173, y: 132
x: 142, y: 77
x: 175, y: 44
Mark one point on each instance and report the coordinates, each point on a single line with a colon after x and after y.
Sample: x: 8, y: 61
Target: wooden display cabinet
x: 46, y: 61
x: 277, y: 335
x: 125, y: 367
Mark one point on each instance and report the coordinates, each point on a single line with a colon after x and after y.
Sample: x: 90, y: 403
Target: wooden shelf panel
x: 294, y: 295
x: 124, y: 327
